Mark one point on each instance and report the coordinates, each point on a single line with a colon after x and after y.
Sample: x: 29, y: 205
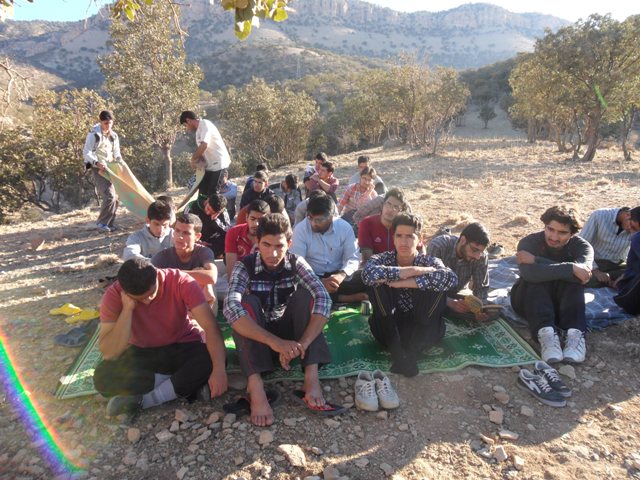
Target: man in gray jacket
x: 102, y: 146
x: 155, y: 236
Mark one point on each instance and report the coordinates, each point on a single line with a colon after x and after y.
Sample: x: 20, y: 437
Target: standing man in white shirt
x: 211, y: 153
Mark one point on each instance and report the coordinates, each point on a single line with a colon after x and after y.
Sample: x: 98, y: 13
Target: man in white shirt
x: 211, y: 153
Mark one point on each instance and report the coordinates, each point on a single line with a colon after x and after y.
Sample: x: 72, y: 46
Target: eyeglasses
x: 395, y: 208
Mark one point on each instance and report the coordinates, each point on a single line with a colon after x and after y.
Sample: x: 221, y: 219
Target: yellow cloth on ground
x: 130, y: 191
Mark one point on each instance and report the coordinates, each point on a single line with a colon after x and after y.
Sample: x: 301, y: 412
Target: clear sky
x: 568, y: 10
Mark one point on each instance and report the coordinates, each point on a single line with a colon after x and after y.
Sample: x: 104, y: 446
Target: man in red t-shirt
x: 153, y: 352
x: 241, y: 240
x: 375, y: 233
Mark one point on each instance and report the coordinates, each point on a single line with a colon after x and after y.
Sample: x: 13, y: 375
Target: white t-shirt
x: 216, y: 154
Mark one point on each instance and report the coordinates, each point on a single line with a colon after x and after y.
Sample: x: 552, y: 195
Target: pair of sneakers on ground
x: 545, y: 384
x: 574, y: 351
x: 374, y: 390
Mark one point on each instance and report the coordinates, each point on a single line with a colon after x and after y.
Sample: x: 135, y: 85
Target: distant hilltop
x: 319, y: 36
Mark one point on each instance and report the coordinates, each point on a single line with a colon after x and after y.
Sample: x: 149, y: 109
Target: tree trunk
x: 627, y: 123
x: 531, y: 130
x: 168, y: 167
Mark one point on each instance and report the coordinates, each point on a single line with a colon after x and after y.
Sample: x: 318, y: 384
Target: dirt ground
x: 491, y: 175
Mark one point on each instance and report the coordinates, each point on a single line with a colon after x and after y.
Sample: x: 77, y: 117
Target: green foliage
x: 150, y: 83
x: 490, y: 83
x: 487, y: 113
x: 16, y: 168
x: 268, y: 123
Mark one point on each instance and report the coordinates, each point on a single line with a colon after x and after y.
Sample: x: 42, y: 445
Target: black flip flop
x: 242, y: 406
x: 326, y: 410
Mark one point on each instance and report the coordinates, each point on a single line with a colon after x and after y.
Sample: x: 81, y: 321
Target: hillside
x: 320, y: 35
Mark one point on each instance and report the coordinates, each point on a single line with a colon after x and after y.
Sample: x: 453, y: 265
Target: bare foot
x: 312, y: 388
x: 261, y: 412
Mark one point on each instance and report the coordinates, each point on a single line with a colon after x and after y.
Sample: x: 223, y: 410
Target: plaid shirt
x: 476, y: 271
x: 271, y: 284
x: 383, y: 268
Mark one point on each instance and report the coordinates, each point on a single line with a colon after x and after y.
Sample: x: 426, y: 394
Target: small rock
x: 175, y: 426
x: 502, y: 397
x: 181, y: 473
x: 499, y: 454
x: 499, y: 389
x: 316, y: 451
x: 164, y: 435
x: 266, y: 437
x: 508, y: 435
x: 130, y: 459
x: 202, y: 437
x: 615, y: 408
x: 290, y: 422
x: 488, y: 440
x: 229, y: 419
x: 133, y: 435
x: 238, y: 461
x: 362, y: 462
x: 587, y: 384
x: 213, y: 418
x: 387, y: 469
x: 294, y: 454
x: 526, y: 411
x: 531, y: 427
x: 312, y: 477
x: 567, y: 371
x: 183, y: 415
x: 496, y: 416
x: 330, y: 473
x: 403, y: 427
x: 348, y: 399
x: 382, y: 415
x: 518, y: 462
x: 330, y: 422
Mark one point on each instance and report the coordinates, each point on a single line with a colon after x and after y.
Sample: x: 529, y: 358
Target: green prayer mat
x: 353, y: 349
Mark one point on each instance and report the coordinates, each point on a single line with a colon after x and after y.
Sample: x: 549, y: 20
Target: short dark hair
x: 276, y: 203
x: 320, y: 205
x: 187, y: 115
x: 105, y: 115
x: 262, y: 166
x: 409, y: 219
x: 259, y: 206
x: 330, y: 166
x: 635, y: 214
x: 398, y: 194
x: 191, y: 219
x: 160, y: 211
x: 363, y: 159
x: 322, y: 156
x: 262, y: 175
x: 274, y: 224
x: 291, y: 181
x: 137, y: 275
x: 166, y: 199
x: 369, y: 171
x: 476, y: 232
x: 564, y: 215
x: 217, y: 202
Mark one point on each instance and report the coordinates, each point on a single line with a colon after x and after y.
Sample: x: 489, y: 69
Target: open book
x: 476, y: 305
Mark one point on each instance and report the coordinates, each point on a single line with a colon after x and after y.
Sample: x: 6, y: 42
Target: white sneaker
x: 575, y: 348
x: 387, y: 396
x: 366, y: 397
x: 550, y: 350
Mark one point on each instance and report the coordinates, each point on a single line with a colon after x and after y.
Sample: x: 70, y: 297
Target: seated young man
x: 259, y: 189
x: 324, y: 180
x: 241, y: 239
x: 363, y: 162
x: 276, y: 305
x: 153, y: 352
x: 190, y: 257
x: 329, y: 245
x: 156, y: 235
x: 554, y: 265
x: 215, y: 224
x: 375, y: 232
x: 468, y: 258
x: 407, y: 290
x: 357, y: 194
x: 629, y: 284
x: 609, y: 232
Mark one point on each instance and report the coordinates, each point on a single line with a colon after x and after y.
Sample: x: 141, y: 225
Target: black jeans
x: 257, y: 357
x: 211, y: 182
x: 550, y: 304
x: 349, y: 286
x: 189, y: 365
x: 411, y: 332
x: 630, y: 298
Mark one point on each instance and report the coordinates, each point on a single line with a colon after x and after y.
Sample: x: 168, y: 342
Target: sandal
x: 242, y: 406
x: 326, y: 410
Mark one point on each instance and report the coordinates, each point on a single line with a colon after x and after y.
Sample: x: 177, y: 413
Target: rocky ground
x: 473, y: 423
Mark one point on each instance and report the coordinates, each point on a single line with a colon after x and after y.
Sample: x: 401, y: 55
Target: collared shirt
x: 264, y: 280
x: 328, y: 252
x: 608, y: 239
x: 476, y: 271
x: 383, y: 268
x: 353, y: 198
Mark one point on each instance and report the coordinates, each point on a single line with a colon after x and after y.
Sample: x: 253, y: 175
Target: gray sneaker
x: 539, y: 388
x: 552, y: 377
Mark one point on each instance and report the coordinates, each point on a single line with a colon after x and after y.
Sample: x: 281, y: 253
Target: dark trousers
x: 256, y: 357
x: 349, y: 286
x: 614, y: 269
x: 410, y: 332
x: 189, y: 365
x: 211, y: 182
x: 629, y: 298
x: 109, y: 205
x: 550, y: 304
